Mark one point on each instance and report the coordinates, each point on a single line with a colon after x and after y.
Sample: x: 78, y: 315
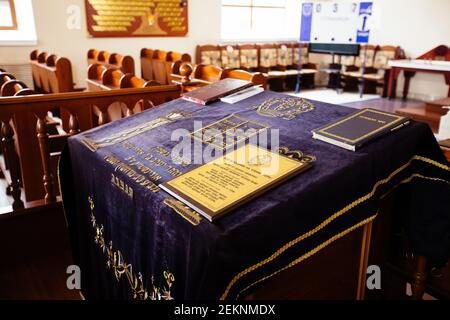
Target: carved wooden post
x: 103, y: 117
x: 13, y: 164
x: 45, y: 157
x: 130, y: 108
x: 74, y: 125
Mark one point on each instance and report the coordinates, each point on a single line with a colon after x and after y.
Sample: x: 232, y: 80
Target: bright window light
x: 19, y: 23
x: 261, y: 19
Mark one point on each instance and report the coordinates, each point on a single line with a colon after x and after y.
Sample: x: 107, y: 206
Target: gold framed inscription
x: 227, y: 182
x: 137, y: 18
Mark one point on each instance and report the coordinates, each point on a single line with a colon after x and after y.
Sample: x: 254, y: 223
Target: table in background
x: 410, y: 67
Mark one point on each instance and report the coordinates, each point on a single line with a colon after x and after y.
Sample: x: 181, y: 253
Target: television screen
x: 335, y: 48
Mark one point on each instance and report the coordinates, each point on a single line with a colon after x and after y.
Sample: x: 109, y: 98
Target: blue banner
x: 307, y: 13
x: 363, y: 32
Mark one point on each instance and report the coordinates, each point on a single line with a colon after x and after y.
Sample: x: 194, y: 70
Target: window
x: 261, y: 19
x: 17, y: 23
x: 7, y: 15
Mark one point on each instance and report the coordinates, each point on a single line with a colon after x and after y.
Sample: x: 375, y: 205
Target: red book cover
x: 217, y: 90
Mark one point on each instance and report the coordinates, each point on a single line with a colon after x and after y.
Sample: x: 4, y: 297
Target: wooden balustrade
x: 37, y: 146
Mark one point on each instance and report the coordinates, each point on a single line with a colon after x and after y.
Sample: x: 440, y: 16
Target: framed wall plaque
x: 137, y: 18
x: 8, y: 20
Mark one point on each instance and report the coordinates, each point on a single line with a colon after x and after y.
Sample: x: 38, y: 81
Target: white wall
x: 416, y: 25
x: 55, y: 37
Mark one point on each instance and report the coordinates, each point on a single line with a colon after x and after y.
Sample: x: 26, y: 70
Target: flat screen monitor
x: 335, y: 48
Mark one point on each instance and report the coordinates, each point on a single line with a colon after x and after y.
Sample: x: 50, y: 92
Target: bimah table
x: 410, y: 67
x: 134, y: 241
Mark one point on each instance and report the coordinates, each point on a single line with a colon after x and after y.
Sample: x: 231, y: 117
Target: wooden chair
x: 51, y: 74
x: 308, y: 70
x: 249, y: 59
x: 95, y: 76
x: 5, y: 77
x: 163, y: 59
x: 230, y: 56
x: 147, y: 64
x: 268, y: 65
x: 159, y: 61
x: 92, y: 56
x: 121, y: 62
x: 103, y: 78
x: 207, y: 73
x: 380, y: 76
x: 257, y: 78
x: 208, y: 55
x: 352, y: 78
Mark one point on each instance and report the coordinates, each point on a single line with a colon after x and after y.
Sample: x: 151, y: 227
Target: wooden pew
x: 124, y: 63
x: 157, y: 64
x: 104, y: 78
x: 95, y: 74
x: 193, y: 77
x: 51, y: 74
x: 257, y: 78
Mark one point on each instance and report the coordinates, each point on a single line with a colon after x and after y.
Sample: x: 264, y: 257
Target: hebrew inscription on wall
x: 137, y: 18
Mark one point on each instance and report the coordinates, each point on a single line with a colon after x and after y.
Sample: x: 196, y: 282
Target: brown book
x: 217, y: 90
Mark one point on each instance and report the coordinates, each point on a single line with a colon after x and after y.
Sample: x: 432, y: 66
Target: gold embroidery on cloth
x: 184, y: 211
x: 296, y: 155
x: 285, y: 108
x: 135, y: 131
x: 116, y: 262
x: 228, y: 131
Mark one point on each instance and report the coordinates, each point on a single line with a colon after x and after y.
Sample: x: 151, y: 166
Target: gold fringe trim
x: 330, y: 219
x: 312, y: 252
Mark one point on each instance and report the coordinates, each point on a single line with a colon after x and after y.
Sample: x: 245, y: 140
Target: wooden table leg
x: 408, y: 75
x: 447, y: 81
x: 420, y: 278
x: 364, y: 261
x: 394, y: 72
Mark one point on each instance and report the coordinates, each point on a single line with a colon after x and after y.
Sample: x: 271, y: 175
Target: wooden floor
x: 40, y: 279
x: 43, y: 275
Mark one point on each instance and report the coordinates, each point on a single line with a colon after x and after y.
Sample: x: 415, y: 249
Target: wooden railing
x: 31, y: 151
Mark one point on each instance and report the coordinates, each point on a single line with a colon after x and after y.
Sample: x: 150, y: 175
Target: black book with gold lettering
x: 359, y: 128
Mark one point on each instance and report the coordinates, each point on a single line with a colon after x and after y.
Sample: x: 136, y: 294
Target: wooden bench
x: 277, y: 61
x: 104, y: 78
x: 192, y: 77
x: 124, y: 63
x: 51, y: 74
x: 157, y: 64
